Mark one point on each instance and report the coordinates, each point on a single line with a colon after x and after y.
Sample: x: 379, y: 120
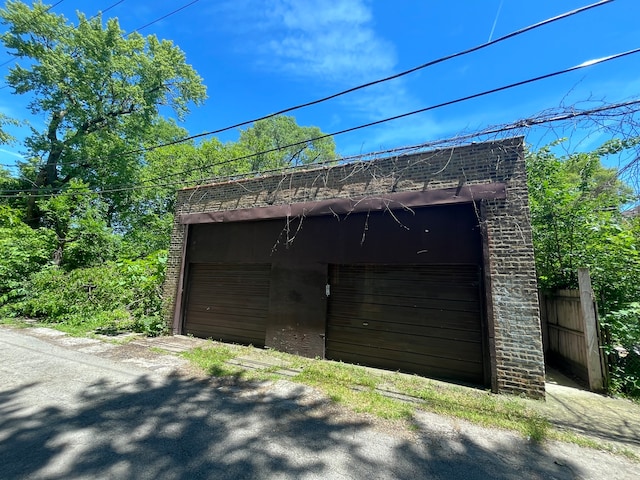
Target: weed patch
x: 213, y: 360
x: 363, y: 390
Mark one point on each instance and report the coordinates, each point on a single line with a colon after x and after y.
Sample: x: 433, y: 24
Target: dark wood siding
x: 426, y: 236
x: 290, y: 315
x: 416, y: 318
x: 228, y: 302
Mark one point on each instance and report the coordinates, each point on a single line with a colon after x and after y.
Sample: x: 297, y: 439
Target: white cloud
x: 325, y: 40
x: 333, y: 45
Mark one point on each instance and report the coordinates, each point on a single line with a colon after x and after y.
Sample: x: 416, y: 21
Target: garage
x: 228, y: 302
x: 424, y: 319
x: 406, y: 298
x: 419, y: 261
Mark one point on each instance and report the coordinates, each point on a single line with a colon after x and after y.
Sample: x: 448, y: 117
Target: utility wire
x: 382, y: 80
x: 517, y: 125
x: 365, y: 85
x: 101, y: 12
x: 426, y: 109
x: 370, y: 124
x: 539, y: 119
x: 130, y: 33
x: 163, y: 17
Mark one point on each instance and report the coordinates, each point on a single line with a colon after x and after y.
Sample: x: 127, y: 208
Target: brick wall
x: 517, y: 364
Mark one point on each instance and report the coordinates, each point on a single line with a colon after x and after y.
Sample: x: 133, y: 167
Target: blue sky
x: 260, y: 56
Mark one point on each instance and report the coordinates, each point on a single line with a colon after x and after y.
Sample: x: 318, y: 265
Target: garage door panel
x: 436, y: 318
x: 418, y: 318
x: 228, y: 337
x: 385, y: 331
x: 452, y: 363
x: 228, y: 302
x: 437, y: 274
x: 445, y: 348
x: 235, y: 304
x: 346, y: 300
x: 388, y: 287
x: 238, y: 290
x: 463, y: 371
x: 228, y: 321
x: 222, y: 331
x: 229, y: 334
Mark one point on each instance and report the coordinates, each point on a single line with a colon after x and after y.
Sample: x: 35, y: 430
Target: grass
x: 371, y: 391
x: 74, y: 328
x: 159, y: 350
x: 213, y: 360
x: 354, y: 387
x: 582, y: 441
x: 17, y: 323
x: 480, y: 407
x: 366, y: 390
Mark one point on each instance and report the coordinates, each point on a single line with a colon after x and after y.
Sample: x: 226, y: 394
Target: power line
x: 55, y: 4
x: 539, y: 119
x: 520, y: 124
x: 385, y: 79
x: 432, y: 107
x: 517, y: 125
x: 407, y: 114
x: 163, y: 17
x: 130, y: 33
x: 101, y: 12
x: 365, y: 85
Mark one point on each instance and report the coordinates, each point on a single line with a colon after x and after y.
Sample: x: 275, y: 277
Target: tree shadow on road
x: 177, y: 428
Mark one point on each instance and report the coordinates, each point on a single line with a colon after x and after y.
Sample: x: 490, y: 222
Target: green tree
x: 275, y: 134
x: 100, y: 90
x: 23, y: 251
x: 149, y: 215
x: 77, y: 217
x: 576, y: 215
x: 6, y: 137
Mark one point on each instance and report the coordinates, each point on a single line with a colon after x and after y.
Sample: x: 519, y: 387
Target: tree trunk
x: 48, y: 173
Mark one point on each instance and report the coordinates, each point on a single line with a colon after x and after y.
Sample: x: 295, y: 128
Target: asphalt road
x: 65, y: 414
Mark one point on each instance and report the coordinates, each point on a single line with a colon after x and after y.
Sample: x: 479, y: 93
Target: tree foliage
x: 85, y: 243
x: 149, y: 215
x: 577, y: 218
x: 23, y: 251
x: 100, y: 91
x: 274, y: 135
x: 576, y: 214
x: 112, y: 297
x: 77, y: 217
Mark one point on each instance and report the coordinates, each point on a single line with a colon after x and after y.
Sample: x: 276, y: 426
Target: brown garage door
x: 415, y: 318
x: 228, y: 302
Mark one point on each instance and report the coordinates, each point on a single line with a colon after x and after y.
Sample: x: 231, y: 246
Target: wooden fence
x: 571, y: 333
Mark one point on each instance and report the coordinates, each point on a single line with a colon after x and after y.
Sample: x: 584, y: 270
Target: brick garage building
x: 420, y: 262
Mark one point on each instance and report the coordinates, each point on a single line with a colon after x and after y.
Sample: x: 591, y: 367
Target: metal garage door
x: 228, y: 302
x: 415, y: 318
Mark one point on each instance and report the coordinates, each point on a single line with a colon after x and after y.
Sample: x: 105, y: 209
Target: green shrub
x: 23, y: 251
x: 112, y: 297
x: 623, y: 327
x: 151, y: 326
